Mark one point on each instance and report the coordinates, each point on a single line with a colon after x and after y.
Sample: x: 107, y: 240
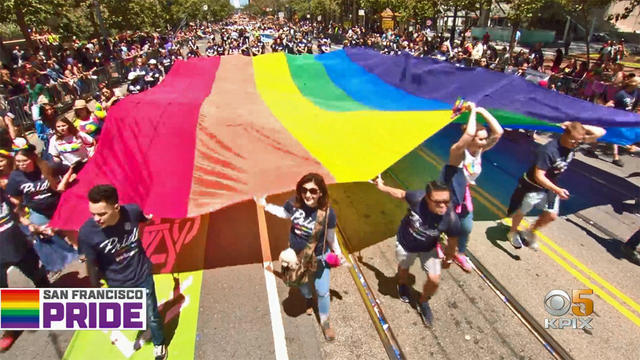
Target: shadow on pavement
x: 388, y: 285
x: 71, y: 279
x: 613, y: 246
x: 497, y: 235
x: 294, y: 305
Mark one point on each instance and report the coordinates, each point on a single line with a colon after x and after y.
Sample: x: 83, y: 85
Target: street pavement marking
x: 494, y: 205
x: 277, y: 327
x: 119, y: 340
x: 182, y: 308
x: 276, y: 316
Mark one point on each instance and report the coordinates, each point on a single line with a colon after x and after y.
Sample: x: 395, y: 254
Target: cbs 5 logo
x: 557, y: 302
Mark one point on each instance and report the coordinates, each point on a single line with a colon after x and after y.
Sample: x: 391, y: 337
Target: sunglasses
x: 440, y: 202
x: 312, y: 191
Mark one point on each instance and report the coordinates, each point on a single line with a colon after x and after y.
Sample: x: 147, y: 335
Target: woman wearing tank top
x: 464, y: 167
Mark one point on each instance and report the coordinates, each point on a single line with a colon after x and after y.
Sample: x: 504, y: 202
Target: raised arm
x: 456, y: 153
x: 276, y: 210
x: 396, y: 193
x: 494, y: 126
x: 593, y: 133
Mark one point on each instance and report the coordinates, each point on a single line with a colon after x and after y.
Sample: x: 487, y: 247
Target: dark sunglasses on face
x: 440, y: 202
x: 312, y: 191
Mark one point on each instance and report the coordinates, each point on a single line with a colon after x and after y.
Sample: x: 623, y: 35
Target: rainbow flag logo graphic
x: 19, y: 308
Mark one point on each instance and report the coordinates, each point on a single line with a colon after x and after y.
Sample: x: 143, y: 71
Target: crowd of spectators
x: 606, y: 81
x: 58, y: 147
x: 40, y: 158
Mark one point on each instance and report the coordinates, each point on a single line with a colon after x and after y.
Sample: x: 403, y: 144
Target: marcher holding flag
x: 464, y: 167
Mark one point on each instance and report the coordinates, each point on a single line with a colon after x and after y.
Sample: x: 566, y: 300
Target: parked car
x: 600, y: 37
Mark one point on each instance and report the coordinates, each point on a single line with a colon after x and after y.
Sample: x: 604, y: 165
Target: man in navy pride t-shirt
x: 428, y: 217
x: 110, y: 240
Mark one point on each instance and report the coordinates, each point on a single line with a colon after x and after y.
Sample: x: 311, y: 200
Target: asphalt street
x: 246, y: 312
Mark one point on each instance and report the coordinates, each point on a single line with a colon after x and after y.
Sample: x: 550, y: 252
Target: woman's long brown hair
x: 323, y: 200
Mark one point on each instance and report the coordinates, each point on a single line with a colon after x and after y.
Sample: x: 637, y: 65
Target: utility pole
x: 100, y: 22
x: 453, y: 27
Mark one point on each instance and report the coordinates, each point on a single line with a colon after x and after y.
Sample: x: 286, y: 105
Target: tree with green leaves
x: 77, y: 17
x: 584, y: 9
x: 31, y: 13
x: 193, y: 10
x: 520, y: 13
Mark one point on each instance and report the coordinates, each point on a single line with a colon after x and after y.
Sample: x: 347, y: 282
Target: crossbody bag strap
x: 321, y: 217
x: 321, y: 220
x: 326, y: 224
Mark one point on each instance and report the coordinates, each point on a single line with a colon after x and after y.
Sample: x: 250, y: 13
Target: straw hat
x: 79, y: 104
x: 634, y: 81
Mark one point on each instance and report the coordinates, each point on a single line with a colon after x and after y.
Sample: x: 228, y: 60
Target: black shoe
x: 618, y: 162
x: 631, y: 254
x: 309, y: 306
x: 425, y: 313
x: 404, y: 293
x: 590, y: 153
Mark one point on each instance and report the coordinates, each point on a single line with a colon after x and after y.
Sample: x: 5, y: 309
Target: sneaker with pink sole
x: 463, y: 262
x: 439, y: 251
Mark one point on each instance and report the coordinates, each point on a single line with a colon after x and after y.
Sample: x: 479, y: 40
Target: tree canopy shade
x: 584, y: 10
x: 32, y: 13
x: 77, y: 17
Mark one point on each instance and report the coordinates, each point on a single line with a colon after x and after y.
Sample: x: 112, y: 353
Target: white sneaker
x: 531, y: 239
x: 160, y: 352
x: 514, y: 239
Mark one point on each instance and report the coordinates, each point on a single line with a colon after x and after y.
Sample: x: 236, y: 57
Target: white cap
x: 152, y: 61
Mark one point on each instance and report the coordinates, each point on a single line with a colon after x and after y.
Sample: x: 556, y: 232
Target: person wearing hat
x: 136, y: 83
x: 85, y: 120
x: 625, y: 99
x: 153, y: 75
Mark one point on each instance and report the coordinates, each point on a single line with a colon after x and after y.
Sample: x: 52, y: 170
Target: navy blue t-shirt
x: 35, y: 191
x: 303, y: 221
x: 117, y: 249
x: 420, y: 229
x: 13, y: 242
x: 625, y: 101
x: 553, y: 158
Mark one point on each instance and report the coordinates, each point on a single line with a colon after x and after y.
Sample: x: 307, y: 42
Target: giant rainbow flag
x: 218, y: 131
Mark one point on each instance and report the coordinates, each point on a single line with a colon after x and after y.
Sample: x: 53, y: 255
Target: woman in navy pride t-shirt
x: 302, y: 210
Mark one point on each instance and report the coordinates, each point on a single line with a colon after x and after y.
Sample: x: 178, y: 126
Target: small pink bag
x: 332, y: 259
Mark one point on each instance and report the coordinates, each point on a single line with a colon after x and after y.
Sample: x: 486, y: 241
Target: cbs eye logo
x: 558, y: 303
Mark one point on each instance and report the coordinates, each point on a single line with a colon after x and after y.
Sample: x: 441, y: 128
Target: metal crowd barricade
x: 63, y: 94
x: 18, y: 105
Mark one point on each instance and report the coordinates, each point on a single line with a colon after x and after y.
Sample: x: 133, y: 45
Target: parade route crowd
x: 40, y: 156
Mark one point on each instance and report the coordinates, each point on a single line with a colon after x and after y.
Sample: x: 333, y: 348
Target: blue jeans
x: 154, y: 320
x: 321, y: 283
x: 466, y: 223
x: 54, y: 252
